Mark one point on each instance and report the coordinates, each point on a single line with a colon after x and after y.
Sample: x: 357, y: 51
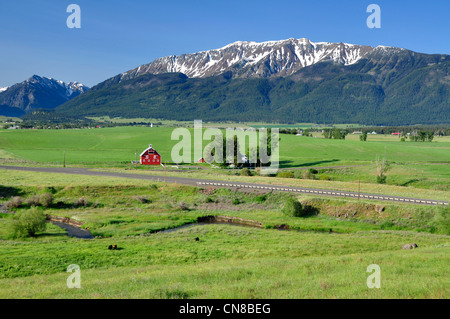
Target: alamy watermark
x: 74, y: 280
x: 374, y: 280
x: 74, y: 19
x: 374, y: 20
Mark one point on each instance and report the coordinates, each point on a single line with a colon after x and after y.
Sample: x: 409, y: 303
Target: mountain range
x: 288, y: 81
x: 37, y: 93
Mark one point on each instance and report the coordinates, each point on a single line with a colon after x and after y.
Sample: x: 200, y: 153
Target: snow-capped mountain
x: 71, y: 88
x: 247, y: 59
x: 3, y: 89
x: 37, y: 92
x: 289, y: 81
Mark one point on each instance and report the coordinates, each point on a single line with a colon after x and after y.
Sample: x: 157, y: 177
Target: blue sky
x: 116, y: 36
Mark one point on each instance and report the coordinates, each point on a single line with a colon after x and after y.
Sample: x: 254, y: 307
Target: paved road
x: 235, y: 185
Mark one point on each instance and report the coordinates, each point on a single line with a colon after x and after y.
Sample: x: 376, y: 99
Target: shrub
x: 143, y: 199
x: 325, y: 178
x: 308, y: 175
x: 236, y: 201
x: 285, y: 174
x: 313, y: 171
x: 81, y: 202
x: 441, y: 221
x: 292, y: 207
x: 46, y: 199
x: 209, y: 200
x: 298, y: 174
x: 183, y: 206
x: 261, y: 198
x: 308, y: 210
x: 246, y: 172
x: 27, y: 223
x: 15, y: 202
x: 381, y: 179
x: 33, y: 201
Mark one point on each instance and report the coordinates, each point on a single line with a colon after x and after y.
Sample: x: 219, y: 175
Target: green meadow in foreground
x: 228, y: 261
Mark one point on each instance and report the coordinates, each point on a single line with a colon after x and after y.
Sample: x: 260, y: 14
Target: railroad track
x: 326, y: 192
x: 202, y: 182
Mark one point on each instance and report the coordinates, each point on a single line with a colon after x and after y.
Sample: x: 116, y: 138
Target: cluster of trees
x: 363, y: 136
x: 335, y: 133
x: 439, y: 130
x: 239, y: 153
x: 421, y: 136
x: 295, y: 131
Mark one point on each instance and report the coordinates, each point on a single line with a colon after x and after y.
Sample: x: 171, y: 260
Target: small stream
x: 78, y: 232
x: 74, y: 231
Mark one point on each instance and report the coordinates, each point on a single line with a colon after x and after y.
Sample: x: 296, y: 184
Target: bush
x: 261, y: 198
x: 298, y: 174
x: 292, y: 207
x: 381, y: 179
x: 81, y: 202
x: 313, y: 171
x: 143, y: 199
x: 308, y: 175
x: 441, y: 221
x: 246, y: 172
x: 28, y: 223
x: 46, y: 199
x: 285, y: 174
x: 183, y: 206
x: 33, y: 201
x: 236, y: 201
x: 308, y: 210
x: 15, y: 202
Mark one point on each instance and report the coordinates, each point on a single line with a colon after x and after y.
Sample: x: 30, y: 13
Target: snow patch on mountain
x: 255, y: 59
x: 70, y: 88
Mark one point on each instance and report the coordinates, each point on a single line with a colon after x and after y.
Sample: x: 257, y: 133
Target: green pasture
x: 228, y: 261
x: 120, y: 144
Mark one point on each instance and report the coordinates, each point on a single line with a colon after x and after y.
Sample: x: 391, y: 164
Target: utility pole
x: 359, y: 187
x: 135, y: 156
x: 165, y: 165
x: 64, y: 161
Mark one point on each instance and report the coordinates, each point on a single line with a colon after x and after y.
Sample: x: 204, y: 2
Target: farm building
x: 150, y: 157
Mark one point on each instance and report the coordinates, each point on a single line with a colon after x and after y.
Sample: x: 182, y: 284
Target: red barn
x: 150, y: 157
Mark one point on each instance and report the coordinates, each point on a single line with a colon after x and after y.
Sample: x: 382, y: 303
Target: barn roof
x: 148, y: 149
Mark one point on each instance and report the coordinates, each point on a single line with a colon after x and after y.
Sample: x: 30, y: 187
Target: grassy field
x: 414, y: 165
x: 228, y: 261
x: 119, y: 144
